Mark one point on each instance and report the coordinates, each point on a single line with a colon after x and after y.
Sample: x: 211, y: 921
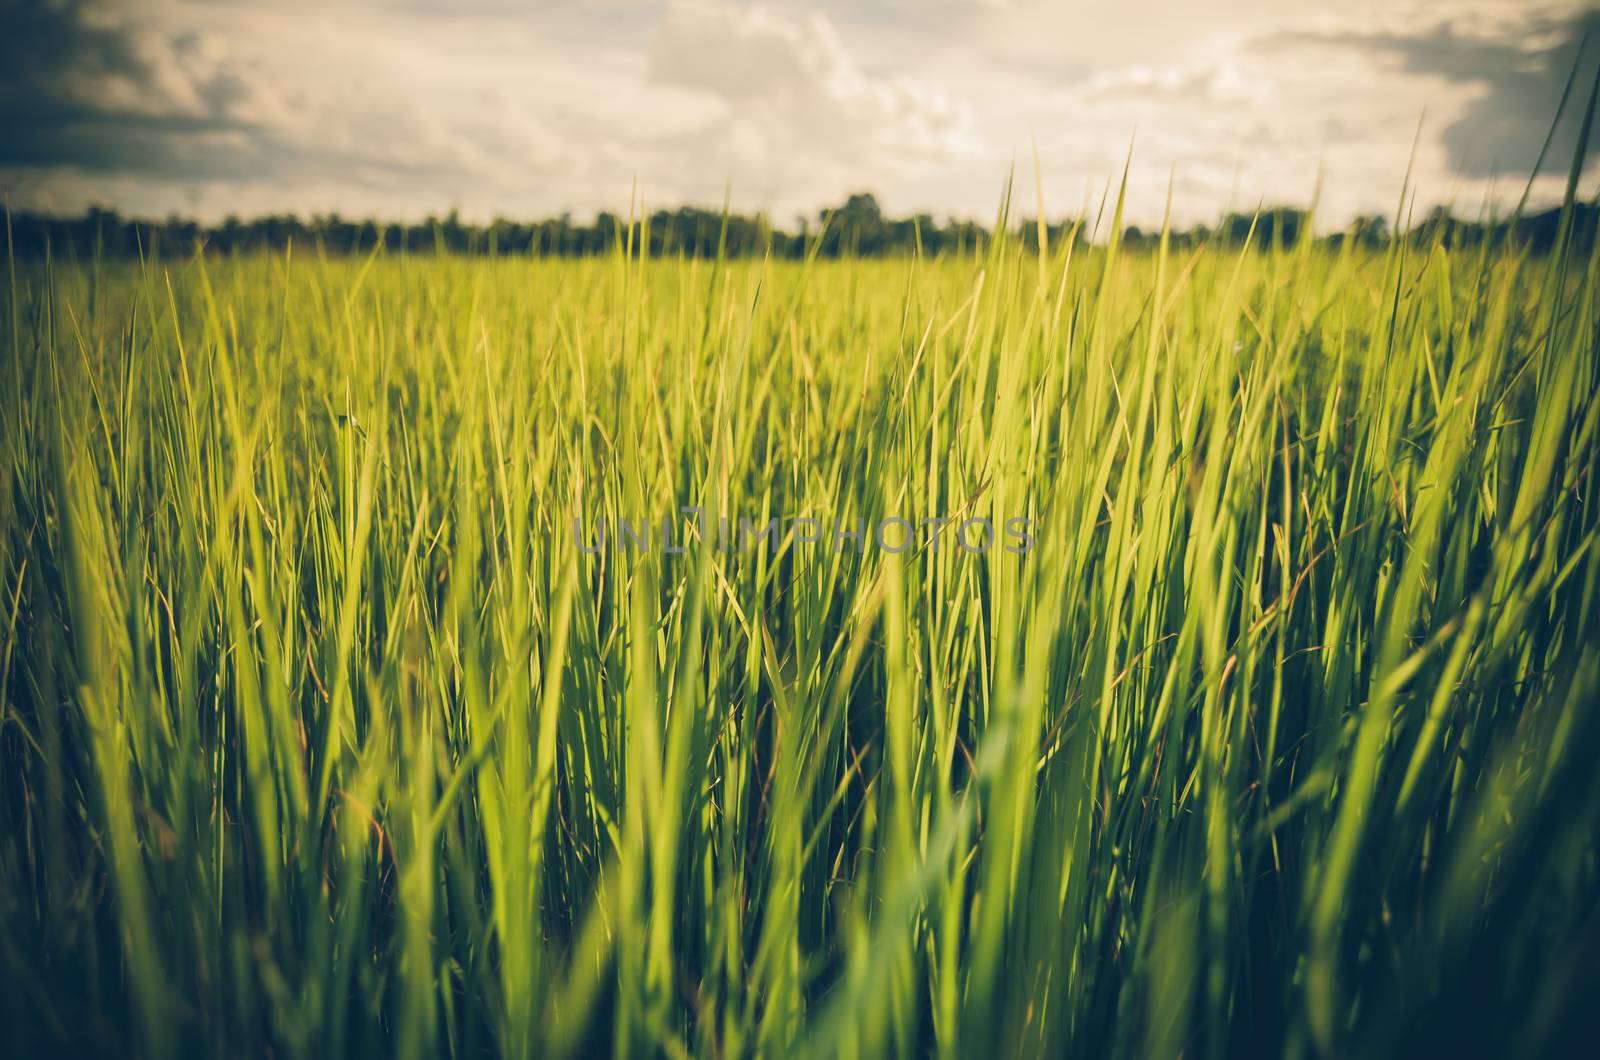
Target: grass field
x: 321, y: 736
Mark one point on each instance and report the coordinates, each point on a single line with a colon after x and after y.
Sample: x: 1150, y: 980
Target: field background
x: 321, y: 738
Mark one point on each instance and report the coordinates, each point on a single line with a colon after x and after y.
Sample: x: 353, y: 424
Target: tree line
x: 858, y: 228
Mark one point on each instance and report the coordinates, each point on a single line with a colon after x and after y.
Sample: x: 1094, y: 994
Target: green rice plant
x: 325, y: 733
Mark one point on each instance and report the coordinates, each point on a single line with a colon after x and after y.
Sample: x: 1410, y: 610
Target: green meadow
x: 324, y: 735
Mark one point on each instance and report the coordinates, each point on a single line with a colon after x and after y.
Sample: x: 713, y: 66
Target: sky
x: 400, y: 109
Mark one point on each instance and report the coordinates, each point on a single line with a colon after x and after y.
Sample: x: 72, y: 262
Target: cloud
x: 404, y: 107
x: 1284, y: 107
x: 244, y: 109
x: 1224, y: 82
x: 82, y: 85
x: 1514, y: 66
x: 792, y: 105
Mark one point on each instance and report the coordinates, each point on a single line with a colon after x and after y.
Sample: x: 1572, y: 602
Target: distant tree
x: 857, y: 227
x: 1370, y: 230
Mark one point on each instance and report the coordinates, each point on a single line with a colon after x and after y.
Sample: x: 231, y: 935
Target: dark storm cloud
x: 1521, y: 83
x: 45, y: 39
x: 82, y: 86
x: 85, y: 85
x: 53, y: 53
x: 1505, y: 127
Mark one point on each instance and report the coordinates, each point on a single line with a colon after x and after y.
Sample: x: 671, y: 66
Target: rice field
x: 336, y: 722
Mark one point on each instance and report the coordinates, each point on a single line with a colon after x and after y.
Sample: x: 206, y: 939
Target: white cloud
x: 1258, y: 111
x: 793, y: 107
x: 408, y: 108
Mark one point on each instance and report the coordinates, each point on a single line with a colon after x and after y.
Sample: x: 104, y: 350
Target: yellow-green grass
x: 322, y: 737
